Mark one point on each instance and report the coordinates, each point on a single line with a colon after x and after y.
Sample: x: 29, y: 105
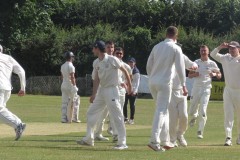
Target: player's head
x: 131, y: 62
x: 69, y: 56
x: 110, y: 47
x: 1, y: 48
x: 98, y: 47
x: 204, y: 51
x: 119, y: 53
x: 172, y: 32
x: 234, y: 48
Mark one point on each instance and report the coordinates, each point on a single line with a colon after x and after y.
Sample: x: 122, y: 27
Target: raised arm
x: 215, y: 55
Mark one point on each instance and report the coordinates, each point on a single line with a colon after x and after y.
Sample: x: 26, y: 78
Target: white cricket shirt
x: 231, y: 68
x: 161, y: 60
x: 204, y: 68
x: 108, y: 70
x: 66, y: 69
x: 9, y: 65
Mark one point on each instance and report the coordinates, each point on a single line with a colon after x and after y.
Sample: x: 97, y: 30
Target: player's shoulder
x: 198, y: 61
x: 95, y: 62
x: 112, y: 58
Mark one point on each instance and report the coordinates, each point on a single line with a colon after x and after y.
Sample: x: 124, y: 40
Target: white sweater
x: 231, y: 68
x: 9, y: 65
x: 161, y: 60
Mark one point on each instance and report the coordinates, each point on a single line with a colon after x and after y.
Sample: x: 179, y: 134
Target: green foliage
x: 38, y: 32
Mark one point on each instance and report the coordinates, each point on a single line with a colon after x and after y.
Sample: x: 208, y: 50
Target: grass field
x: 45, y: 138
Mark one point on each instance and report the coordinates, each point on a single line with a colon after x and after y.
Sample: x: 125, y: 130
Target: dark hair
x: 119, y: 49
x: 109, y: 42
x: 172, y: 31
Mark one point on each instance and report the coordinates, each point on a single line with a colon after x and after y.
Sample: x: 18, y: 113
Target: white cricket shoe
x: 175, y: 144
x: 115, y: 138
x: 19, y: 130
x: 228, y: 141
x: 131, y: 121
x: 84, y: 143
x: 199, y: 135
x: 156, y: 147
x: 101, y: 138
x: 121, y: 147
x: 76, y: 121
x: 182, y: 141
x: 192, y: 122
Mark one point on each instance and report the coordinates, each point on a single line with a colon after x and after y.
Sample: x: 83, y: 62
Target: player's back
x: 163, y: 57
x: 66, y: 69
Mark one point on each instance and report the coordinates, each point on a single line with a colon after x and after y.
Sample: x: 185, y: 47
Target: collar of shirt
x: 169, y: 40
x: 105, y: 58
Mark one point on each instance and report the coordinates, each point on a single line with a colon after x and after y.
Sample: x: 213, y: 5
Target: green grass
x: 46, y: 138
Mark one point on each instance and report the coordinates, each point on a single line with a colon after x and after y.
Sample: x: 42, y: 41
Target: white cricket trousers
x: 100, y: 124
x: 6, y: 116
x: 66, y: 95
x: 106, y: 97
x: 231, y: 101
x: 161, y: 94
x: 198, y: 105
x: 178, y: 116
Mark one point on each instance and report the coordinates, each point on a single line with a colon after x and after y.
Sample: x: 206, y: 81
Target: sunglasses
x: 120, y: 53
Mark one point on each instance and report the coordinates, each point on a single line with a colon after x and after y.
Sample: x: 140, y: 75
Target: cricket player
x: 68, y: 87
x: 231, y: 96
x: 202, y: 88
x: 178, y: 116
x: 100, y: 124
x: 106, y: 94
x: 159, y: 68
x: 8, y: 65
x: 132, y: 97
x: 119, y: 53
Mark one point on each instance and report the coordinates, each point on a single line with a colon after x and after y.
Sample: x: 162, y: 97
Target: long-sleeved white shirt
x: 9, y: 65
x: 231, y: 68
x: 161, y: 60
x: 176, y: 81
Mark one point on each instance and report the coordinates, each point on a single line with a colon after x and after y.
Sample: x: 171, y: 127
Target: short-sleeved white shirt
x: 108, y: 70
x: 204, y: 68
x: 66, y: 69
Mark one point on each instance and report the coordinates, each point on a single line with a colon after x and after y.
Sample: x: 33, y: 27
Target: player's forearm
x: 95, y: 86
x: 22, y: 78
x: 73, y: 80
x: 127, y: 77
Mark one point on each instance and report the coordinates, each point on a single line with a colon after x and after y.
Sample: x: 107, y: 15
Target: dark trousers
x: 131, y: 100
